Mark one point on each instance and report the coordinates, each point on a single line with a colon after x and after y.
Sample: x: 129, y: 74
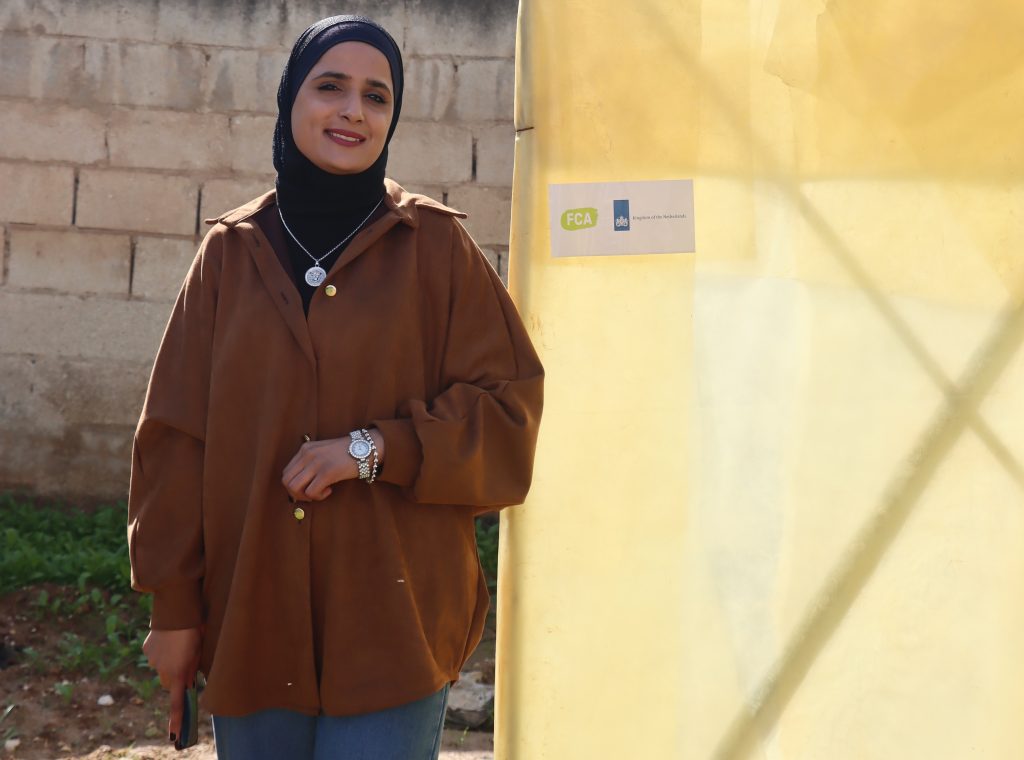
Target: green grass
x: 76, y: 564
x: 47, y: 544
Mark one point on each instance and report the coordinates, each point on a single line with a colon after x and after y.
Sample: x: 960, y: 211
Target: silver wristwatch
x: 362, y: 448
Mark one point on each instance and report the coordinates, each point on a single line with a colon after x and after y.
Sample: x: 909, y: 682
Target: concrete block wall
x: 124, y: 123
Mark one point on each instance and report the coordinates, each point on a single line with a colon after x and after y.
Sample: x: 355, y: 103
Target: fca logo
x: 621, y: 215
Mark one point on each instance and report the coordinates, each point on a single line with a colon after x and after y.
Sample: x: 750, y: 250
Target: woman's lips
x: 345, y: 138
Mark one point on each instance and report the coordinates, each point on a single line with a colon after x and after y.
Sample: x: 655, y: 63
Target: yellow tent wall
x: 778, y: 509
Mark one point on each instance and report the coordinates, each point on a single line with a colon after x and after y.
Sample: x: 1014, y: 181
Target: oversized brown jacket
x: 376, y: 598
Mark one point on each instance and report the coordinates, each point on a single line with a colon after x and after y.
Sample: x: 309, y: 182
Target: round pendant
x: 315, y: 275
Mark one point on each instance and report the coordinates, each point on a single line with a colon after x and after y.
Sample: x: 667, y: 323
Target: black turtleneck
x: 321, y: 212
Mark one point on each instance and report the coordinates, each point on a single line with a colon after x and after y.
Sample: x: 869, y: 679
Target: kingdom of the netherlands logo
x: 620, y: 214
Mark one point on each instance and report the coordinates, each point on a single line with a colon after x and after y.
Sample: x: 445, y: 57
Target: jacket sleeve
x: 165, y: 510
x: 473, y: 444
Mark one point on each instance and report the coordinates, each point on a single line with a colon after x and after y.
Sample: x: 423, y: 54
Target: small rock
x: 470, y: 701
x: 11, y: 744
x: 106, y: 700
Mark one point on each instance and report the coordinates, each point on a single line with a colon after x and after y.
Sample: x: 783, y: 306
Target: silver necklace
x: 316, y: 274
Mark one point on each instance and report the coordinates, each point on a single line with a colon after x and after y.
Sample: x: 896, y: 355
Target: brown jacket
x: 377, y: 597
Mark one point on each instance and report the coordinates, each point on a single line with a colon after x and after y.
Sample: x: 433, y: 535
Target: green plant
x: 83, y: 559
x: 145, y: 687
x: 11, y: 731
x: 65, y: 689
x: 41, y: 544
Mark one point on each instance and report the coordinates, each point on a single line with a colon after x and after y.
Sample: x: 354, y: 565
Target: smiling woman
x: 344, y: 383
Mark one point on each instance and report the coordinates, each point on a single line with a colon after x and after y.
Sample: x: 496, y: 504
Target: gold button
x: 299, y: 513
x: 330, y: 290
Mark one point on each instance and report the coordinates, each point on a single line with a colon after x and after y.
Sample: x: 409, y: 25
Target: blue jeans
x: 407, y: 732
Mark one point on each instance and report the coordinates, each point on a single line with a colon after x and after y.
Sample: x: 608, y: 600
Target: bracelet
x: 373, y: 449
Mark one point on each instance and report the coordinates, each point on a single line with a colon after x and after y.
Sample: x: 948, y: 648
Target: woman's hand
x: 319, y: 464
x: 174, y: 655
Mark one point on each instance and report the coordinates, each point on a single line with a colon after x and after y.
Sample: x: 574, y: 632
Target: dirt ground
x: 57, y: 715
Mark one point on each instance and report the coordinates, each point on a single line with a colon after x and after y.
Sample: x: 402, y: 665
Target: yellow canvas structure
x: 778, y: 509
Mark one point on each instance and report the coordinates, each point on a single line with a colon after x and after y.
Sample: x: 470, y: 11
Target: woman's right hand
x: 174, y: 655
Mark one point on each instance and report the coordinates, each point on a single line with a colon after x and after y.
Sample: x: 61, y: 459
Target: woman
x: 342, y: 386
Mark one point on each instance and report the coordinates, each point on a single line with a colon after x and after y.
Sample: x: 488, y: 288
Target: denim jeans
x: 407, y: 732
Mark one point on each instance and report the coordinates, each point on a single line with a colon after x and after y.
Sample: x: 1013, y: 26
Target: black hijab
x: 321, y: 207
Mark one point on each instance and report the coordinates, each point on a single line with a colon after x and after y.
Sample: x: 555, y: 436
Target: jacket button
x: 330, y: 290
x: 299, y: 513
x: 305, y: 437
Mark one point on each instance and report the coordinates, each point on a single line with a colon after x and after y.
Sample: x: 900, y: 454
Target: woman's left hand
x: 319, y: 464
x: 316, y: 466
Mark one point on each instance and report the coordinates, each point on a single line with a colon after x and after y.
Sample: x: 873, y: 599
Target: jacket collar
x: 401, y: 202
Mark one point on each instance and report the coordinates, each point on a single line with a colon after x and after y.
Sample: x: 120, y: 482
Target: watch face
x: 359, y: 449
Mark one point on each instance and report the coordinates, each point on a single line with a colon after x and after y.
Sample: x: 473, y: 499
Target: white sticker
x: 616, y: 218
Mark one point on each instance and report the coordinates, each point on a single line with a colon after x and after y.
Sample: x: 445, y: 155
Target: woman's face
x: 342, y: 111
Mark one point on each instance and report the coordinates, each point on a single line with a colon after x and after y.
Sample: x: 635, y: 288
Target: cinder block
x: 429, y: 153
x: 479, y: 28
x: 495, y: 154
x: 503, y: 269
x: 50, y: 393
x: 36, y: 194
x: 485, y: 90
x: 36, y: 66
x: 391, y: 14
x: 134, y: 73
x: 497, y: 257
x: 489, y: 209
x: 436, y: 192
x: 115, y: 19
x: 71, y: 262
x: 245, y: 24
x: 64, y: 325
x: 252, y: 144
x: 243, y: 80
x: 168, y: 140
x: 49, y: 132
x: 493, y: 257
x: 82, y: 462
x: 125, y: 200
x: 160, y: 267
x: 223, y: 195
x: 429, y: 88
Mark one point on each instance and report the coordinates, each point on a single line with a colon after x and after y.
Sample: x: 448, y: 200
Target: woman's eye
x: 377, y: 98
x: 327, y: 86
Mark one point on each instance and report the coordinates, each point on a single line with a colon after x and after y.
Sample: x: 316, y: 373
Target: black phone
x: 188, y: 736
